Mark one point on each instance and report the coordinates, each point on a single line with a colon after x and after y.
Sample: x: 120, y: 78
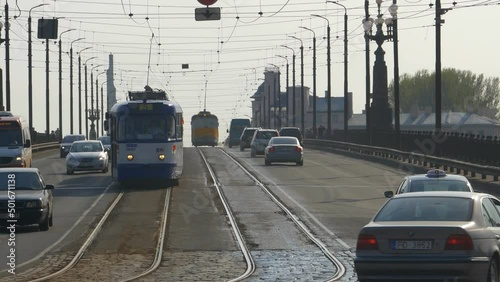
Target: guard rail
x: 410, y: 157
x: 44, y: 146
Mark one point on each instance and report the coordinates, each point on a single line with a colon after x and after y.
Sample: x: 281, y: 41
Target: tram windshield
x: 139, y: 127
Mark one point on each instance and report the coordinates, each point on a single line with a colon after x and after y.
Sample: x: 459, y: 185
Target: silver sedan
x: 86, y: 155
x: 445, y: 236
x: 284, y: 149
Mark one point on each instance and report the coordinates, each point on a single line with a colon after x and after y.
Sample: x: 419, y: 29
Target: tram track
x: 249, y: 260
x: 84, y: 254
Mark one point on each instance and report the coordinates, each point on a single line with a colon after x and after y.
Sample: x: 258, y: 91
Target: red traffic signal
x: 207, y: 2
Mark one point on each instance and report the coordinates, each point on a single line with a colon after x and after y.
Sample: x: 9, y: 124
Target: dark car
x: 67, y: 141
x: 260, y: 140
x: 433, y: 180
x: 106, y: 142
x: 246, y: 137
x: 293, y: 132
x: 33, y: 198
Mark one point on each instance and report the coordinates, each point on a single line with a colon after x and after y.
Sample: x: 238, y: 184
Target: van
x: 236, y: 129
x: 15, y: 142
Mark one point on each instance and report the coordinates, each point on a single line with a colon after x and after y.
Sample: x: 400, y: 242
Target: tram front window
x: 146, y: 128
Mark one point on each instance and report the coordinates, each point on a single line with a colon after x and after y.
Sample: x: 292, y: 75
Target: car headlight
x: 32, y: 204
x: 102, y: 157
x: 18, y: 159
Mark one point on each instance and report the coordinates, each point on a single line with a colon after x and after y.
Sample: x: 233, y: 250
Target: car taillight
x: 459, y: 242
x: 367, y: 242
x: 298, y: 149
x: 272, y: 149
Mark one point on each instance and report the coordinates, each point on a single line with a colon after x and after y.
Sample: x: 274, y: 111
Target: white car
x: 86, y: 155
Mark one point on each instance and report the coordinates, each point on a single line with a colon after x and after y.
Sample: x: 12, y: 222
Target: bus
x: 146, y: 139
x: 236, y: 129
x: 15, y: 142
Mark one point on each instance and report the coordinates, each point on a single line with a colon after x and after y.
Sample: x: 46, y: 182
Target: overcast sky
x: 229, y: 56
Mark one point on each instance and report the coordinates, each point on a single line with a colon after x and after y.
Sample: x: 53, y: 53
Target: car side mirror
x: 49, y: 187
x: 388, y: 194
x: 27, y: 144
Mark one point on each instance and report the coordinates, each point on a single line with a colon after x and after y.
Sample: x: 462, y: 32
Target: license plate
x: 7, y: 216
x: 412, y: 245
x: 286, y: 149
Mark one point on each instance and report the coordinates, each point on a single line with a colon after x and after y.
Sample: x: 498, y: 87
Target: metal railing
x: 409, y: 157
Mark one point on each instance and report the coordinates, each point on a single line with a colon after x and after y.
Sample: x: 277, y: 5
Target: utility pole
x: 7, y: 55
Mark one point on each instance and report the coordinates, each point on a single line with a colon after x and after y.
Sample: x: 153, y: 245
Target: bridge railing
x: 44, y: 146
x: 412, y: 157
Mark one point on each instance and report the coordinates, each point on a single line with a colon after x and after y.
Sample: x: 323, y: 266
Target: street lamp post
x: 92, y: 114
x: 381, y: 113
x: 274, y: 95
x: 2, y: 40
x: 80, y: 89
x: 346, y: 85
x: 30, y: 70
x: 314, y: 78
x: 97, y: 99
x: 60, y: 82
x: 302, y: 113
x: 86, y: 100
x: 71, y: 84
x: 293, y: 82
x: 102, y: 107
x: 329, y: 77
x: 367, y: 74
x: 287, y: 95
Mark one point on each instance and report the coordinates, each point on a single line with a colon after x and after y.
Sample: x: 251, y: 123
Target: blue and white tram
x: 146, y: 138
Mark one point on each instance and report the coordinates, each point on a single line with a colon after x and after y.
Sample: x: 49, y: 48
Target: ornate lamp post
x: 71, y: 84
x: 287, y: 101
x: 97, y: 98
x: 302, y: 113
x: 93, y: 113
x: 86, y: 100
x: 314, y: 77
x: 381, y: 113
x: 293, y: 82
x: 329, y: 77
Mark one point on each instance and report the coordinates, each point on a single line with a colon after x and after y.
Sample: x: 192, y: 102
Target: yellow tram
x: 204, y: 129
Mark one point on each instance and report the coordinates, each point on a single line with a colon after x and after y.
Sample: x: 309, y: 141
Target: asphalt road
x: 78, y: 200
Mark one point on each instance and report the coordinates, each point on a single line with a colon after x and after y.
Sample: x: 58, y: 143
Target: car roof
x: 74, y: 135
x: 87, y: 141
x: 19, y: 169
x: 289, y: 127
x: 267, y: 129
x: 447, y: 176
x: 448, y: 194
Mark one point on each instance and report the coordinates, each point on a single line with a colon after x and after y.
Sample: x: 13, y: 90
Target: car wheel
x: 44, y: 225
x: 301, y: 163
x: 493, y: 271
x: 61, y: 155
x: 105, y: 169
x: 69, y: 171
x: 268, y: 162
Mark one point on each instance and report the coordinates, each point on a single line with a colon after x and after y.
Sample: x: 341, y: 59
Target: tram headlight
x: 161, y: 157
x: 130, y: 157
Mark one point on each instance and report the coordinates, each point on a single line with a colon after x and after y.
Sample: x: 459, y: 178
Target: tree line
x: 462, y: 91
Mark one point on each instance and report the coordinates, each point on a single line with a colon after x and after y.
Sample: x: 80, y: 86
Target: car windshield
x: 106, y: 140
x: 284, y: 141
x: 290, y: 132
x: 266, y: 134
x: 426, y: 209
x: 20, y: 181
x: 72, y: 138
x: 10, y: 137
x: 86, y: 147
x: 438, y: 185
